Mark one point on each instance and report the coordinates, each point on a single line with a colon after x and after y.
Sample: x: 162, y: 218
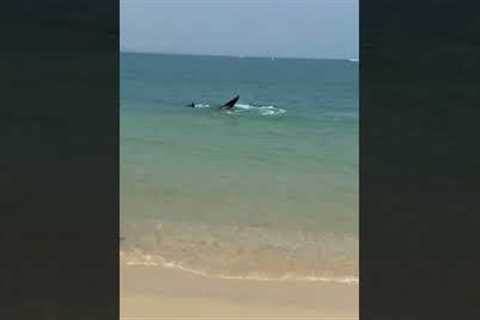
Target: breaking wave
x: 242, y: 252
x: 139, y: 258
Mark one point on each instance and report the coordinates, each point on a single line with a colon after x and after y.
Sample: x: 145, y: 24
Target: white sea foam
x: 139, y: 258
x: 266, y: 110
x: 243, y: 106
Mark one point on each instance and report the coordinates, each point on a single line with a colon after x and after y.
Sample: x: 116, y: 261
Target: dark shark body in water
x: 230, y: 104
x: 227, y: 106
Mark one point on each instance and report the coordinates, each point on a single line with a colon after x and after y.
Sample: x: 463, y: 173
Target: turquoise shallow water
x: 267, y: 190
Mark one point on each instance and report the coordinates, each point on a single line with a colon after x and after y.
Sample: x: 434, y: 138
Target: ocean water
x: 267, y: 191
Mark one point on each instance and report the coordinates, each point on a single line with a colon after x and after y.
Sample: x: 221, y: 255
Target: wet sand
x: 162, y: 293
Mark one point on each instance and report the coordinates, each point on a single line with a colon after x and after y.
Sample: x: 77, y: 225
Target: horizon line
x: 352, y: 59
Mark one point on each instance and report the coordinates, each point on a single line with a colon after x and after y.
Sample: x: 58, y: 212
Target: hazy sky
x: 288, y: 28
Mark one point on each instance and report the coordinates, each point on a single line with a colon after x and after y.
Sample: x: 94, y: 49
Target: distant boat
x: 353, y: 60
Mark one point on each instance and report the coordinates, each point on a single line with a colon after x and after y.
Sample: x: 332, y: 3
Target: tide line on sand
x: 147, y: 260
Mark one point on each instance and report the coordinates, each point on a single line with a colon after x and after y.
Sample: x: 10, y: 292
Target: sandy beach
x: 163, y: 293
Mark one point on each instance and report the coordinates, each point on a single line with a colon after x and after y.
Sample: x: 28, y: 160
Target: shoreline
x: 146, y: 260
x: 164, y: 293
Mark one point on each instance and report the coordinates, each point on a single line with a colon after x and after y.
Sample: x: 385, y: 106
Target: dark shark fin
x: 230, y: 104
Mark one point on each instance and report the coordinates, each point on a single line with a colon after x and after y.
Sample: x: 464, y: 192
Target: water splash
x: 262, y: 110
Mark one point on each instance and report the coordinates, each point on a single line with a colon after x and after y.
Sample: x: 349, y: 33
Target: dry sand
x: 148, y: 293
